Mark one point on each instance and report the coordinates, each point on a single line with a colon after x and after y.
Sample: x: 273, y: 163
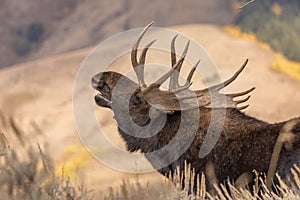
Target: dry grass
x: 288, y: 189
x: 32, y: 176
x: 30, y: 173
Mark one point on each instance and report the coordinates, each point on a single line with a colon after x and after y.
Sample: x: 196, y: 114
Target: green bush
x: 280, y: 31
x: 25, y: 38
x: 21, y: 46
x: 35, y: 31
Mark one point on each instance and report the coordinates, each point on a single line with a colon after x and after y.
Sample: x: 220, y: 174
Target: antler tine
x: 188, y: 82
x: 242, y: 93
x: 173, y: 51
x: 174, y: 77
x: 243, y: 107
x: 236, y: 74
x: 163, y: 78
x: 218, y: 97
x: 144, y: 52
x: 139, y: 70
x: 230, y: 80
x: 186, y: 48
x: 190, y: 76
x: 243, y: 100
x: 186, y: 86
x: 182, y: 56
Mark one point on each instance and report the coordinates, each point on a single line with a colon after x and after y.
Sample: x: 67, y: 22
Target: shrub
x: 21, y: 46
x: 274, y: 22
x: 172, y: 191
x: 33, y: 177
x: 290, y: 68
x: 29, y: 173
x: 35, y: 31
x: 280, y: 62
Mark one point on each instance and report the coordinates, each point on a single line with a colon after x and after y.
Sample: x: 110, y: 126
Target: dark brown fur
x: 245, y: 143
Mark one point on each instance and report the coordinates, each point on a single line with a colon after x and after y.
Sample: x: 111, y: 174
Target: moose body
x: 245, y: 143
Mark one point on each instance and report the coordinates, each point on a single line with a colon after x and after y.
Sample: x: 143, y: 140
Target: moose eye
x: 103, y: 86
x: 100, y: 85
x: 136, y: 100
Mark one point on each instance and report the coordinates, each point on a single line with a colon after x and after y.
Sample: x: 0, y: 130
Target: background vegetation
x: 30, y: 175
x: 280, y: 62
x: 27, y: 171
x: 27, y: 38
x: 276, y: 22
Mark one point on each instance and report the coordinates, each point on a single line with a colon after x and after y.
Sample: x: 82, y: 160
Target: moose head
x: 141, y: 97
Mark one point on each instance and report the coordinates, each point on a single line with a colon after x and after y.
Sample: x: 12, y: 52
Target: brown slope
x: 93, y: 20
x: 16, y: 16
x: 71, y: 25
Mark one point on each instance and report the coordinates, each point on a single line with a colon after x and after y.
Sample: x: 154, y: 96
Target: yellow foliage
x: 276, y: 9
x: 280, y: 62
x: 286, y: 66
x: 235, y: 31
x: 73, y: 158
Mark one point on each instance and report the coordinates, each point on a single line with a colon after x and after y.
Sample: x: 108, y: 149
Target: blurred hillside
x: 276, y: 22
x: 34, y: 29
x: 24, y: 25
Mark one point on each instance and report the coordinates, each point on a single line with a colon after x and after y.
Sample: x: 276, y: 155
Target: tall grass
x: 32, y: 176
x: 172, y: 190
x: 29, y: 173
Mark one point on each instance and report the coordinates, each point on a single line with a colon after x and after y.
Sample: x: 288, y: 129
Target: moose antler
x: 218, y: 97
x: 174, y: 77
x: 175, y: 98
x: 139, y: 66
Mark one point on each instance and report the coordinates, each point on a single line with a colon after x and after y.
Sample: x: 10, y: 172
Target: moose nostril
x: 94, y: 83
x: 100, y: 85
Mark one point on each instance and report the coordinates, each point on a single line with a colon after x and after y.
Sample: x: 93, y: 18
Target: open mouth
x: 102, y: 99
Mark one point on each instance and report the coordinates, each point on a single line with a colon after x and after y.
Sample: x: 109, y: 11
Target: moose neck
x: 150, y: 135
x: 241, y: 137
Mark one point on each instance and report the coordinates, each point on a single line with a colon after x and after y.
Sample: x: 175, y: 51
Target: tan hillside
x: 72, y: 25
x: 41, y: 91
